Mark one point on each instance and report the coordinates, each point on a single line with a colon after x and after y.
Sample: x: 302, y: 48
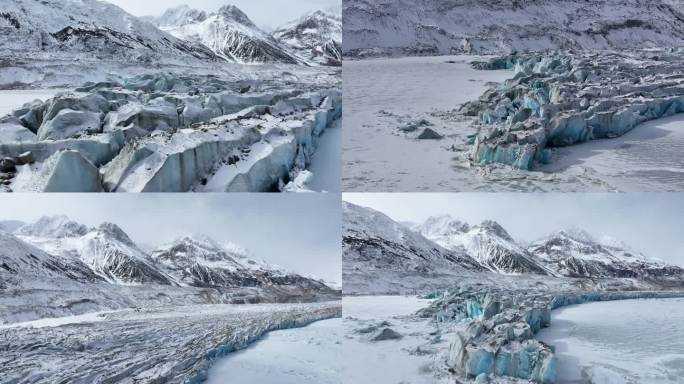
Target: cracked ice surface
x: 167, y: 132
x: 561, y: 99
x: 173, y: 345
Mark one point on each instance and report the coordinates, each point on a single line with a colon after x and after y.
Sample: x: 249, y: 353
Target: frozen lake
x: 13, y: 99
x: 383, y: 95
x: 308, y: 355
x: 627, y: 341
x: 388, y: 361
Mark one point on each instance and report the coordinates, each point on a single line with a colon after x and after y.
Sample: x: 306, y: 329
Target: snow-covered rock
x: 488, y: 243
x: 228, y: 32
x: 92, y: 28
x: 316, y: 36
x: 575, y: 253
x: 22, y: 260
x: 437, y: 27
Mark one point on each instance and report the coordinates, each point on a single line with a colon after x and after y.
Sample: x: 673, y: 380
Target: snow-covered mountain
x: 92, y: 29
x: 229, y: 33
x: 107, y: 253
x: 18, y: 257
x: 53, y: 227
x: 106, y: 250
x: 316, y: 36
x: 414, y: 27
x: 488, y: 243
x: 576, y: 253
x: 373, y: 241
x: 200, y: 261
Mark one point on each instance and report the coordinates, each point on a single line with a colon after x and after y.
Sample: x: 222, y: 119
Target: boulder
x: 387, y: 334
x: 429, y: 134
x: 7, y: 164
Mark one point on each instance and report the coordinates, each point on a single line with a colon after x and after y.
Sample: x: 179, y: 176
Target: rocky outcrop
x: 563, y: 98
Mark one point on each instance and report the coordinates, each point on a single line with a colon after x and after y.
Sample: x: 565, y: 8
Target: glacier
x: 141, y: 105
x: 102, y: 309
x: 560, y: 99
x: 481, y: 314
x: 146, y: 135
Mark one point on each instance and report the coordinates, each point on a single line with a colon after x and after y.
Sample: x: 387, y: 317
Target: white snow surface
x: 410, y: 359
x: 307, y: 355
x: 627, y: 341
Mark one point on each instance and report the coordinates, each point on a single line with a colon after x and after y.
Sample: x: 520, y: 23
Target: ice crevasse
x: 562, y: 98
x: 498, y: 338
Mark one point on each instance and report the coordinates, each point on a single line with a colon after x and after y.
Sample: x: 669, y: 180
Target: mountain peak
x: 579, y: 235
x: 57, y: 226
x: 234, y: 13
x: 495, y: 228
x: 181, y: 15
x: 443, y: 225
x: 116, y: 232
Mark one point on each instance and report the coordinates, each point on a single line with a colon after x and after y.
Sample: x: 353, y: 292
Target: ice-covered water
x: 13, y: 99
x: 628, y: 341
x: 407, y: 360
x: 647, y: 158
x: 380, y: 95
x: 308, y: 355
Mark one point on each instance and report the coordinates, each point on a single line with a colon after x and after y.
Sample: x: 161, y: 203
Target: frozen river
x: 627, y: 341
x: 308, y: 355
x: 383, y: 95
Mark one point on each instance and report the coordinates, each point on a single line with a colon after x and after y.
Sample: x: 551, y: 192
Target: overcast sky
x: 271, y: 13
x: 651, y: 223
x: 300, y: 232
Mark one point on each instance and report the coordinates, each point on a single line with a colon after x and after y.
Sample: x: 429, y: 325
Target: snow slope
x: 439, y: 27
x: 199, y: 261
x: 372, y: 240
x: 316, y: 36
x: 381, y: 255
x: 488, y: 243
x: 576, y: 253
x: 228, y: 32
x: 88, y: 29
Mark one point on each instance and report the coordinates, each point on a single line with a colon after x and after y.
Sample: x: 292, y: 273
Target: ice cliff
x: 563, y: 98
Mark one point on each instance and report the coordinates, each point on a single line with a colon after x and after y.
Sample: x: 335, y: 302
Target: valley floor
x: 171, y: 344
x: 389, y: 103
